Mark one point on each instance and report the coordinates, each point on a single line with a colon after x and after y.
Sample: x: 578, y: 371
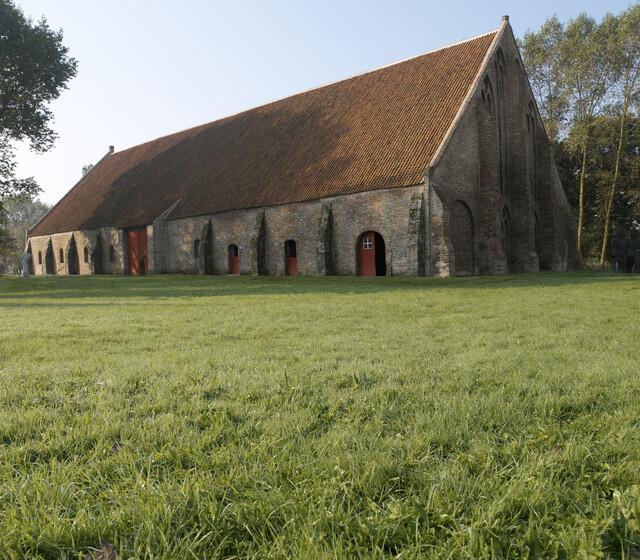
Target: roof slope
x: 376, y: 130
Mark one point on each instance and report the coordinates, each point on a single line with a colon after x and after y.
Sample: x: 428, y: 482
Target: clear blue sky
x: 151, y: 68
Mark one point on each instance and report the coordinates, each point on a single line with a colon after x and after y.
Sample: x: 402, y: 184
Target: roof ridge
x: 315, y: 88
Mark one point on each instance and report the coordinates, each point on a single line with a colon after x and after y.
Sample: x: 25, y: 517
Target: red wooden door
x: 368, y: 254
x: 234, y: 264
x: 132, y: 251
x: 234, y: 259
x: 137, y: 251
x: 292, y: 266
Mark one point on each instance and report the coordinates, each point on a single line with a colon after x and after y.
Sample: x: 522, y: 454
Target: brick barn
x: 437, y: 165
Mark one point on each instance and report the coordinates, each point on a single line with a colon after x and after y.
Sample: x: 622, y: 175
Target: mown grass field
x: 191, y: 417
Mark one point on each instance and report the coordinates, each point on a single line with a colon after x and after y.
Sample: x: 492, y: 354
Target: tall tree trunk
x: 583, y: 172
x: 614, y: 181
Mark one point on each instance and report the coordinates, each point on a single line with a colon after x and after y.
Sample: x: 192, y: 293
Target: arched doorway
x: 50, y: 260
x: 137, y: 251
x: 506, y: 237
x: 31, y: 267
x: 290, y: 258
x: 234, y: 260
x: 206, y: 249
x: 73, y: 262
x: 537, y: 236
x: 371, y: 255
x: 95, y: 256
x: 462, y: 238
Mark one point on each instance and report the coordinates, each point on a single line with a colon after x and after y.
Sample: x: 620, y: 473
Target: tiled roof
x: 376, y: 130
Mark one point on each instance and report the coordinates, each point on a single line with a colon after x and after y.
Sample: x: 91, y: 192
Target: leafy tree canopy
x: 35, y: 67
x: 585, y: 76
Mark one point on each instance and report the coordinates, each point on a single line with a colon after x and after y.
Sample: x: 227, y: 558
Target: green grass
x: 191, y: 417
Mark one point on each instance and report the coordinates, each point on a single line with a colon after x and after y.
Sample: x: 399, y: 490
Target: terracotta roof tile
x: 376, y: 130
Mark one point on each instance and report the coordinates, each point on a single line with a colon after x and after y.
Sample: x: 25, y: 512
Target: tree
x: 21, y: 212
x: 35, y: 67
x: 625, y: 42
x: 586, y: 71
x: 541, y: 52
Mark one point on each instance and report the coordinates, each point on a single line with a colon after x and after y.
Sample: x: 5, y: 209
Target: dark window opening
x: 39, y: 257
x: 196, y: 248
x: 86, y: 255
x: 61, y: 256
x: 112, y: 254
x: 487, y: 94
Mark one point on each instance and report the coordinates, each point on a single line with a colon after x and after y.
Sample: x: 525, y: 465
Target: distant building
x: 438, y: 165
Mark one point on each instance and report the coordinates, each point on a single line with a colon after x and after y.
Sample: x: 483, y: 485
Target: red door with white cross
x: 368, y: 254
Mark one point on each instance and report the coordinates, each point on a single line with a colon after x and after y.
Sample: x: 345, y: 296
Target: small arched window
x: 112, y: 254
x: 487, y: 94
x: 61, y: 256
x: 196, y: 248
x: 86, y: 255
x: 531, y: 117
x: 39, y: 257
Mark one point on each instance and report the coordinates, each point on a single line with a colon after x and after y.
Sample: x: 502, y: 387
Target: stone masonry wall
x: 389, y: 212
x: 108, y: 237
x: 397, y: 214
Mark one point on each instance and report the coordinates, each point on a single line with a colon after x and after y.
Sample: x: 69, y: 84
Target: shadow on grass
x: 17, y: 291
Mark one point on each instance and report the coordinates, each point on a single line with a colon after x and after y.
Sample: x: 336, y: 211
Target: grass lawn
x: 191, y: 417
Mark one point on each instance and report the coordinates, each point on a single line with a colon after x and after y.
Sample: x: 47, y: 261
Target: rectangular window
x: 367, y: 243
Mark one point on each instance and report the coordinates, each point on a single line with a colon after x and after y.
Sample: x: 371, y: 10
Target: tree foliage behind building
x: 20, y: 213
x: 585, y: 75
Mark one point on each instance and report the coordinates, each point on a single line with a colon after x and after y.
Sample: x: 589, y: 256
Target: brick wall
x: 499, y: 158
x: 394, y: 213
x: 84, y: 239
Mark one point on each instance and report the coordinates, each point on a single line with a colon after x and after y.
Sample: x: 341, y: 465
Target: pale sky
x: 151, y: 68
